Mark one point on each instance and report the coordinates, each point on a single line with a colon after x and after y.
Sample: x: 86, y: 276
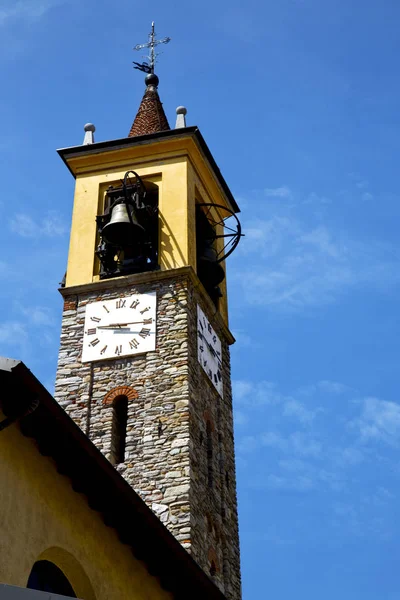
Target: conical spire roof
x: 150, y: 117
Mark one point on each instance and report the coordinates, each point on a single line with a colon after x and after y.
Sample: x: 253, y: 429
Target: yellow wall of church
x: 43, y: 518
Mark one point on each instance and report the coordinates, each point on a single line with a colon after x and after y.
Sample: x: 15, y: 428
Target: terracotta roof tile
x: 150, y: 117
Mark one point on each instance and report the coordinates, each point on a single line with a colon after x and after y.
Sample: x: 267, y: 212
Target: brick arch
x: 122, y: 390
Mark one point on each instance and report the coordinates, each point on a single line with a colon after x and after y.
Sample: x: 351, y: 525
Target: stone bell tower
x: 144, y: 357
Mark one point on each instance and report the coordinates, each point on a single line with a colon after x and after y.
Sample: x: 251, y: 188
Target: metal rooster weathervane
x: 148, y: 67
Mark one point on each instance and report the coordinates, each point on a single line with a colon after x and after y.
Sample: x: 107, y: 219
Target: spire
x: 150, y: 117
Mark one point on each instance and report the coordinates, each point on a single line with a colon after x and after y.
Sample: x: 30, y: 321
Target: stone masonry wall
x: 213, y: 507
x: 170, y: 401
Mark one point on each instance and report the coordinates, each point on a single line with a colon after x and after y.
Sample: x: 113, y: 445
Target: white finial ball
x: 89, y: 127
x: 181, y: 110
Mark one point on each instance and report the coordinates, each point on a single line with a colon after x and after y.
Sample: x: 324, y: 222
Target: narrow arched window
x: 210, y: 452
x: 118, y: 429
x: 213, y: 569
x: 47, y: 577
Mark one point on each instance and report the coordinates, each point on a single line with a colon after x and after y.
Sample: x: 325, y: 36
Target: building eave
x: 76, y: 457
x: 193, y: 132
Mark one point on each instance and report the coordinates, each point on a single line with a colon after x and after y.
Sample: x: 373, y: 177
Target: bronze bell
x: 210, y: 271
x: 122, y: 230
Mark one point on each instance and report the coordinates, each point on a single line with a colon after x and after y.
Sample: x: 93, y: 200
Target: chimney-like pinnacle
x: 89, y: 134
x: 180, y: 117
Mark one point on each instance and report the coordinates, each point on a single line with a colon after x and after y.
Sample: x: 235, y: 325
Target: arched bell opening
x: 128, y: 228
x: 215, y: 241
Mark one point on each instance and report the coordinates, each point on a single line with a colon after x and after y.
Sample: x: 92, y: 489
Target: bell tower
x: 144, y: 355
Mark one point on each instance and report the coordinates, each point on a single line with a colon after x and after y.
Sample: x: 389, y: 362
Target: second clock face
x: 209, y: 351
x: 120, y: 327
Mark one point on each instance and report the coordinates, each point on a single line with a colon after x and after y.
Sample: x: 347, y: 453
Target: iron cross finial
x: 148, y: 67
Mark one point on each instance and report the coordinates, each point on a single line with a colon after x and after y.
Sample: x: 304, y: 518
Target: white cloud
x: 321, y: 239
x: 249, y: 393
x: 13, y: 333
x: 348, y: 457
x: 297, y: 443
x: 289, y: 267
x: 316, y: 199
x: 367, y: 196
x: 279, y: 192
x: 379, y: 421
x: 38, y: 315
x: 25, y: 9
x: 294, y: 408
x: 25, y: 226
x: 333, y: 388
x: 298, y: 483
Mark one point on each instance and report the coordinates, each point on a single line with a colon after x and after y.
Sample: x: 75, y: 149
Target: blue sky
x: 298, y: 101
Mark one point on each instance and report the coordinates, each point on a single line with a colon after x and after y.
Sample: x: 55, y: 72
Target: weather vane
x: 148, y: 67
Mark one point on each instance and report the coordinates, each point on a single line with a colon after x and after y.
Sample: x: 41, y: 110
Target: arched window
x: 46, y: 577
x: 213, y: 562
x: 118, y: 429
x: 210, y: 469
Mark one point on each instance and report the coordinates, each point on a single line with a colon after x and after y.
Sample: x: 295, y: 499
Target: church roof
x: 150, y: 117
x: 25, y: 401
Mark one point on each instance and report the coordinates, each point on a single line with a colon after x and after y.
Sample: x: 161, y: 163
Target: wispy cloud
x: 13, y: 338
x: 294, y: 408
x: 37, y: 316
x: 379, y: 421
x: 26, y: 226
x: 280, y: 192
x: 253, y: 395
x: 294, y: 267
x: 310, y: 445
x: 25, y: 9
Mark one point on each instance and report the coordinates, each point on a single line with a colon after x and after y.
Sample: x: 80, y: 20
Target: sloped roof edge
x: 107, y: 491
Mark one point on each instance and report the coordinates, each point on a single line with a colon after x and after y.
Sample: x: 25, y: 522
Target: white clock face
x: 120, y: 327
x: 209, y: 351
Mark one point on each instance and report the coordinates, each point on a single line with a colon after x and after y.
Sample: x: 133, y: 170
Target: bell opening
x: 128, y: 230
x: 210, y: 272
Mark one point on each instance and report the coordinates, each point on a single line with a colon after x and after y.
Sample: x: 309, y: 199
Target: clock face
x: 120, y: 327
x: 209, y: 351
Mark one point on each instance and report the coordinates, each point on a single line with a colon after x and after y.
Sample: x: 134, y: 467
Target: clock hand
x: 116, y: 325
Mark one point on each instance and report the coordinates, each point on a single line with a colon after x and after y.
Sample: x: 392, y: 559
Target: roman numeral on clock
x: 91, y: 331
x: 94, y: 342
x: 135, y: 304
x: 144, y: 333
x: 118, y: 350
x: 95, y: 319
x: 120, y: 303
x: 134, y: 343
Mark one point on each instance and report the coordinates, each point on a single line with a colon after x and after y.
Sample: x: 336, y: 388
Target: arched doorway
x: 47, y: 577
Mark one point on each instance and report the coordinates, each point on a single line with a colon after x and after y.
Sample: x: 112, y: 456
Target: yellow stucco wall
x: 41, y: 517
x: 182, y: 175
